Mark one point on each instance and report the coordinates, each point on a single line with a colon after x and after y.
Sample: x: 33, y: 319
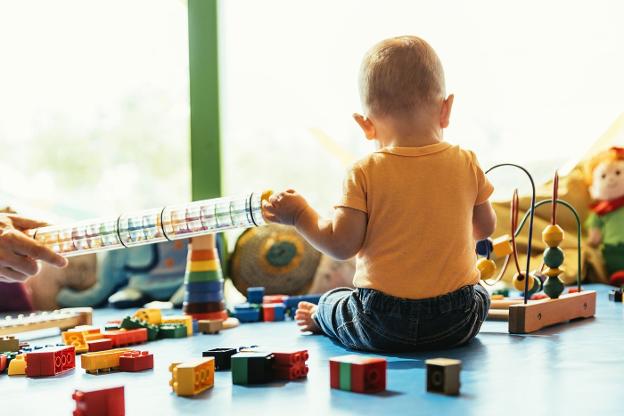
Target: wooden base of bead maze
x: 62, y: 319
x: 539, y: 314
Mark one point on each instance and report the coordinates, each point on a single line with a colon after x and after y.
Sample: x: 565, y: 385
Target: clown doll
x: 605, y: 176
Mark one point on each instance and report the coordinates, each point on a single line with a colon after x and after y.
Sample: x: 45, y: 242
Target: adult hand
x: 19, y: 253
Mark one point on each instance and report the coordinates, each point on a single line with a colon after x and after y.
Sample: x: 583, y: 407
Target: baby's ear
x: 445, y: 112
x: 366, y: 125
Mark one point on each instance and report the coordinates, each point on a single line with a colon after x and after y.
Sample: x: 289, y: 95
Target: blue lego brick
x: 255, y: 294
x: 247, y: 315
x: 195, y: 326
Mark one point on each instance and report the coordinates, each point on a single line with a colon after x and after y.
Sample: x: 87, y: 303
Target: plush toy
x: 605, y: 176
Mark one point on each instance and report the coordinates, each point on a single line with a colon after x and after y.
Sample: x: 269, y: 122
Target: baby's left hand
x: 284, y: 207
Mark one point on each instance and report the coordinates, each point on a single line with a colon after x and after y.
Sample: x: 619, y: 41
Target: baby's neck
x: 412, y: 137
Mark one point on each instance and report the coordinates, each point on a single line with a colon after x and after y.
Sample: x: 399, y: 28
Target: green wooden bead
x: 553, y: 287
x: 553, y: 257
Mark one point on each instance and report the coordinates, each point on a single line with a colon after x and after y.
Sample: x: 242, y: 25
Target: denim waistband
x: 380, y: 302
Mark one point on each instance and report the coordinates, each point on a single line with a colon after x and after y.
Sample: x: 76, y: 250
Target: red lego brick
x: 290, y: 357
x: 100, y: 344
x: 369, y: 375
x: 136, y: 361
x: 334, y: 374
x: 50, y: 361
x: 268, y: 314
x: 268, y: 299
x: 105, y: 402
x: 291, y: 372
x: 3, y: 362
x: 122, y: 338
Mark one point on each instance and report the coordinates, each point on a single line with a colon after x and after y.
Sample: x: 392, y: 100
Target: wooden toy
x: 9, y: 344
x: 222, y: 357
x: 193, y: 377
x: 102, y: 361
x: 50, y: 361
x: 132, y: 322
x: 186, y: 320
x: 616, y: 295
x: 102, y: 402
x: 62, y: 319
x: 357, y: 373
x: 17, y: 366
x: 207, y: 326
x: 290, y: 365
x: 273, y: 312
x: 443, y: 375
x: 251, y: 367
x: 136, y: 361
x: 255, y: 294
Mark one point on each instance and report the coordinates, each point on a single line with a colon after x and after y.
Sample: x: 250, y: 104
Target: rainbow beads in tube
x: 154, y: 225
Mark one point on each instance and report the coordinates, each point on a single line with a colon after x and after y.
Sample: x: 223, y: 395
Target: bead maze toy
x: 525, y: 315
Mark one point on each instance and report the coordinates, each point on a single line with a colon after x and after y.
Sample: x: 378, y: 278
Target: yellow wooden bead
x: 552, y: 272
x: 487, y: 268
x: 497, y: 297
x: 552, y: 235
x: 501, y: 246
x: 518, y: 282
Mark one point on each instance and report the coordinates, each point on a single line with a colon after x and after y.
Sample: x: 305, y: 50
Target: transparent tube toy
x: 154, y: 225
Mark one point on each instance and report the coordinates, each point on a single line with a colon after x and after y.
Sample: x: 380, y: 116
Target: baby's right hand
x: 284, y: 207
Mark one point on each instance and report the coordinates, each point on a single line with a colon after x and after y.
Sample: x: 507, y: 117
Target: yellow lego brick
x: 102, y: 360
x: 203, y: 266
x: 17, y: 366
x: 187, y: 320
x: 192, y: 377
x: 77, y: 339
x: 502, y: 246
x: 152, y: 316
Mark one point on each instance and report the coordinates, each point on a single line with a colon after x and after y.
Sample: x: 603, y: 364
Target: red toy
x: 290, y: 365
x: 357, y: 373
x: 269, y: 299
x: 127, y: 337
x: 100, y: 344
x: 3, y: 362
x: 50, y: 361
x: 136, y: 361
x: 106, y: 402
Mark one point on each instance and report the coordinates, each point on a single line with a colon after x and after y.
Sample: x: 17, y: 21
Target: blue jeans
x: 366, y: 319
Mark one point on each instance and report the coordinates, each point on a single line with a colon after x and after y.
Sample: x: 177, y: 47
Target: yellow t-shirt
x: 419, y: 201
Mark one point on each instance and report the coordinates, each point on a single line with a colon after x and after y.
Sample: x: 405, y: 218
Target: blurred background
x: 94, y: 101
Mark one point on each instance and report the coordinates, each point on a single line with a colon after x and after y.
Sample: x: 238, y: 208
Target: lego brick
x: 17, y: 366
x: 255, y: 294
x: 193, y: 377
x: 201, y: 297
x: 94, y: 362
x: 104, y: 402
x: 122, y: 338
x: 100, y: 344
x: 136, y: 361
x: 524, y: 319
x: 132, y: 322
x: 220, y: 315
x: 222, y: 357
x: 292, y: 372
x: 186, y: 320
x: 290, y: 357
x: 112, y: 325
x: 150, y: 315
x: 615, y: 295
x: 273, y: 312
x: 358, y: 373
x: 247, y: 315
x: 172, y: 331
x: 252, y: 367
x: 443, y: 375
x: 207, y: 326
x: 50, y: 361
x: 9, y: 344
x: 211, y: 286
x: 268, y: 299
x: 75, y: 339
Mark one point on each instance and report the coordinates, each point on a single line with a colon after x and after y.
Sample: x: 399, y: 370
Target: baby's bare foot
x: 303, y: 316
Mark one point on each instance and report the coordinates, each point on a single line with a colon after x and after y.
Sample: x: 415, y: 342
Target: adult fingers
x: 19, y: 263
x: 23, y: 223
x: 20, y: 243
x: 11, y: 275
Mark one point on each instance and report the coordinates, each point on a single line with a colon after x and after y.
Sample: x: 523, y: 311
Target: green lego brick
x: 172, y: 331
x: 131, y: 322
x: 345, y: 376
x: 239, y: 370
x: 208, y: 276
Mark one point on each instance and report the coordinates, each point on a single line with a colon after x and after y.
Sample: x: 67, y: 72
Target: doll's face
x: 608, y: 180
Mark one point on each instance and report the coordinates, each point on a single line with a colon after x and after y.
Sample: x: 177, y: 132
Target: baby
x: 410, y: 213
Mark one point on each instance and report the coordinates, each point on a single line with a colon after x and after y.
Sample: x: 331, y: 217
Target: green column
x: 204, y: 94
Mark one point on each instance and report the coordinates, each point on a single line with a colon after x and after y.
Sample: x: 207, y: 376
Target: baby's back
x: 419, y: 200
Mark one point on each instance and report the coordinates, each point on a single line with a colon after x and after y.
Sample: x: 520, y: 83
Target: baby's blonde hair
x: 399, y: 76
